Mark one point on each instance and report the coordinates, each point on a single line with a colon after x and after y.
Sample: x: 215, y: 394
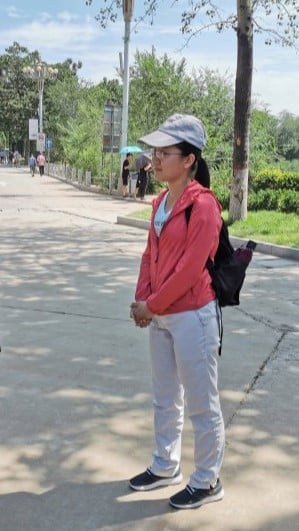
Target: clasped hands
x: 140, y: 313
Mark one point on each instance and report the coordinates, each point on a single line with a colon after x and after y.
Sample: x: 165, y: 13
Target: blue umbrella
x: 130, y: 149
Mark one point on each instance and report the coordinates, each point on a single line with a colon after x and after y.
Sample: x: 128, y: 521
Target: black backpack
x: 228, y: 269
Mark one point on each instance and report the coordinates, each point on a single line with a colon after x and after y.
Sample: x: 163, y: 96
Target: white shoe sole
x: 217, y: 497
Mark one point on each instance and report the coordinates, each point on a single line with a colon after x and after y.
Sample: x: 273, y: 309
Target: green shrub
x: 263, y: 200
x: 275, y: 180
x: 288, y: 201
x: 222, y: 196
x: 282, y: 201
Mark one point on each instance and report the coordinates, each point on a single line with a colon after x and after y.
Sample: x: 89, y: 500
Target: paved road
x: 74, y: 376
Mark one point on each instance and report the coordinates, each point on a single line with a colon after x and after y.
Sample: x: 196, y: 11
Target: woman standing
x: 125, y: 174
x: 143, y: 178
x: 175, y: 298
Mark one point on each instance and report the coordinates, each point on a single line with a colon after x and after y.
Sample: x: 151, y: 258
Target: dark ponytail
x: 202, y: 175
x: 200, y: 167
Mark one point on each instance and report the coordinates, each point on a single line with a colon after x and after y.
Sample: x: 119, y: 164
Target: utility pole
x: 128, y: 7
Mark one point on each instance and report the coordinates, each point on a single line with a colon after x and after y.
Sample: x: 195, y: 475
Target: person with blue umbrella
x: 125, y: 174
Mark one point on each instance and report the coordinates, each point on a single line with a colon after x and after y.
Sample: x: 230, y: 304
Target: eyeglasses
x: 160, y: 154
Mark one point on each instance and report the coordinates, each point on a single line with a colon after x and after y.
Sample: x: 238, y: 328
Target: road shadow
x: 74, y: 507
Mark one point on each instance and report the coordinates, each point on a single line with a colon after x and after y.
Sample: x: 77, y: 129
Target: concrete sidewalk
x: 76, y: 413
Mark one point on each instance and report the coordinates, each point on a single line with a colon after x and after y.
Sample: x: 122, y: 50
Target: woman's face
x: 170, y: 165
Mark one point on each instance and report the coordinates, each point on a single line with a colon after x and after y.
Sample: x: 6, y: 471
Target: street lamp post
x: 40, y: 71
x: 128, y: 7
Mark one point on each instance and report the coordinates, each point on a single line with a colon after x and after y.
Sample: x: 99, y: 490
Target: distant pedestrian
x: 125, y: 174
x: 143, y: 164
x: 17, y: 158
x: 41, y: 161
x: 32, y: 164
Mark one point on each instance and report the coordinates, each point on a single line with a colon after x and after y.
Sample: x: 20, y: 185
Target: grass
x: 263, y: 225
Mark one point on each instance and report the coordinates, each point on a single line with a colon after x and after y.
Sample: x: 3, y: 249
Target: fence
x: 108, y: 184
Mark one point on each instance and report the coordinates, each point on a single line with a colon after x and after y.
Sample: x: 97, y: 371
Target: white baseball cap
x: 176, y: 129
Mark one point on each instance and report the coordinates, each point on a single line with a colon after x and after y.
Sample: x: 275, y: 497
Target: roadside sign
x: 49, y: 143
x: 33, y: 128
x: 40, y: 142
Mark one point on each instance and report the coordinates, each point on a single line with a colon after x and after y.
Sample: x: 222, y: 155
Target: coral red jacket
x: 173, y: 276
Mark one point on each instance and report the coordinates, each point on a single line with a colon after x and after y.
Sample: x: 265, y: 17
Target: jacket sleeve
x: 143, y: 287
x: 202, y: 242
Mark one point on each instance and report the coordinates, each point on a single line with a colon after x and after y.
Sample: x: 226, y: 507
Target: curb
x: 281, y: 251
x: 94, y: 189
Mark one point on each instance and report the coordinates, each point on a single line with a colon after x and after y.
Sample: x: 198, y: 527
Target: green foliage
x: 263, y: 148
x: 275, y: 180
x: 62, y: 100
x: 280, y: 200
x: 220, y: 184
x: 159, y: 87
x: 17, y: 95
x: 274, y: 189
x: 287, y: 136
x: 288, y: 201
x: 212, y: 101
x: 263, y: 199
x: 82, y: 134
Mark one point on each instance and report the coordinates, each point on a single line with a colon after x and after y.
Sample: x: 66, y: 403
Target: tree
x: 159, y: 87
x: 16, y: 95
x: 19, y: 95
x: 281, y: 28
x: 288, y: 136
x: 263, y: 127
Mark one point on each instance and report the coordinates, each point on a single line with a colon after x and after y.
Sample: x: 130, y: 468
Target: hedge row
x: 275, y: 179
x: 279, y: 200
x: 269, y: 190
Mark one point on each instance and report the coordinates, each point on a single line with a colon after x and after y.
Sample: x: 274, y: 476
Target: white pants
x: 184, y: 354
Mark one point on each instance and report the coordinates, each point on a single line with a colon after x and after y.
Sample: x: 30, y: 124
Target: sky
x: 59, y: 29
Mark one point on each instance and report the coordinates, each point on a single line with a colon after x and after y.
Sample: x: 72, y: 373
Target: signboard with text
x: 40, y: 142
x: 112, y: 128
x: 33, y: 128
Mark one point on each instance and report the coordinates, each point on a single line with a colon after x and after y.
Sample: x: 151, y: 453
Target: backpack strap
x: 188, y: 211
x: 209, y: 265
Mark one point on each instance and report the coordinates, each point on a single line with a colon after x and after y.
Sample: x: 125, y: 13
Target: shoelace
x: 191, y: 490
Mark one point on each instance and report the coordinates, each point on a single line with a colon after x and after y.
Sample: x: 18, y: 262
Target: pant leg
x: 196, y: 341
x: 168, y: 401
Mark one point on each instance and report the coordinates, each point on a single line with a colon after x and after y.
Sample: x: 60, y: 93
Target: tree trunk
x: 239, y: 187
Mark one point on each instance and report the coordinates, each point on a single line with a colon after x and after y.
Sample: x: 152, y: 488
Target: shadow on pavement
x: 75, y: 386
x: 71, y: 507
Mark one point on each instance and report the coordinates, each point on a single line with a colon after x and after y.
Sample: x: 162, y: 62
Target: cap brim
x: 159, y: 139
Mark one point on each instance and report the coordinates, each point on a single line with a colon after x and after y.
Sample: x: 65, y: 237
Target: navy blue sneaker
x: 190, y: 498
x: 149, y: 481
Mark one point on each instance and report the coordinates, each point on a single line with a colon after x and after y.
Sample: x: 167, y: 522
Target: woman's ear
x: 189, y: 160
